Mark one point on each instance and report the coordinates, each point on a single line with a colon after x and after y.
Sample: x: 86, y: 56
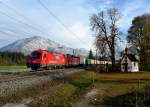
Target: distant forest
x: 12, y: 58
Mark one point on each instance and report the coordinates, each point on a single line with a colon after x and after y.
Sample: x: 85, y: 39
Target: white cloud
x: 130, y: 10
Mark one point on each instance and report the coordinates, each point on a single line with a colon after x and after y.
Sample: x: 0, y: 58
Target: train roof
x: 57, y: 52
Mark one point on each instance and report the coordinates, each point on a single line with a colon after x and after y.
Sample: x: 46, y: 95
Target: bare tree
x: 105, y: 24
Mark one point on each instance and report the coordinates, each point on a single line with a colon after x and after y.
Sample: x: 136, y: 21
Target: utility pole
x: 96, y: 59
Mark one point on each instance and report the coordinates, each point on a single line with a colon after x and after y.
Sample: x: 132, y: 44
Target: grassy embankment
x: 13, y: 68
x: 67, y: 91
x: 123, y: 90
x: 59, y: 92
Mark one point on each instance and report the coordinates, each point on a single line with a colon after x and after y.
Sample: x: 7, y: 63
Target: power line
x: 13, y: 18
x: 11, y: 33
x: 14, y: 32
x: 19, y: 14
x: 19, y: 21
x: 6, y: 33
x: 64, y: 25
x: 12, y: 9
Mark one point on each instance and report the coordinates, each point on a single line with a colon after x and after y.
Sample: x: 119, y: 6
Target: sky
x: 26, y: 18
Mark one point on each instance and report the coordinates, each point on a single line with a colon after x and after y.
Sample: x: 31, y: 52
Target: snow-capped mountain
x: 28, y: 45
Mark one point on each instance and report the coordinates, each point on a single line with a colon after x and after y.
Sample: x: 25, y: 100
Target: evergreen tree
x: 90, y: 55
x: 139, y: 38
x: 12, y: 58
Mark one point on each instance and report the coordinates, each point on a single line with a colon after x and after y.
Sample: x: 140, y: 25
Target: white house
x: 129, y: 63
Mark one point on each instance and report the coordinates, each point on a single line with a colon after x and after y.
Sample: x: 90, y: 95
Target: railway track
x: 7, y: 76
x: 12, y: 82
x: 29, y: 72
x: 10, y: 76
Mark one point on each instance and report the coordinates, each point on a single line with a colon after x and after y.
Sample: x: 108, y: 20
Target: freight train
x: 51, y: 60
x: 43, y: 59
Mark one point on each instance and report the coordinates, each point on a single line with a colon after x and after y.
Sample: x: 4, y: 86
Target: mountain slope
x: 28, y: 45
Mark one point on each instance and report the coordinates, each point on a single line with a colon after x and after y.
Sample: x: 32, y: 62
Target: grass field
x: 13, y: 68
x: 66, y: 92
x: 120, y: 89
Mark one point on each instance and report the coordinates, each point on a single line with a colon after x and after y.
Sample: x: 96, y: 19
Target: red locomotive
x: 51, y: 60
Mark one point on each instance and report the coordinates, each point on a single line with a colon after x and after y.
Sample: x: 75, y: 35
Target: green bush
x: 136, y: 98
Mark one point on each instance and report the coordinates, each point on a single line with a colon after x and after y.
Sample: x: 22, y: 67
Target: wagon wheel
x: 34, y: 68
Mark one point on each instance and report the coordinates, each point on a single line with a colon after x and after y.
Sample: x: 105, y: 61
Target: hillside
x: 27, y: 45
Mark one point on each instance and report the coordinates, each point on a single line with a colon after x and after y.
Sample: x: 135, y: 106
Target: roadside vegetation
x: 59, y: 92
x: 113, y: 86
x: 12, y: 58
x: 12, y: 62
x: 13, y: 68
x: 67, y: 94
x: 115, y: 89
x: 134, y: 98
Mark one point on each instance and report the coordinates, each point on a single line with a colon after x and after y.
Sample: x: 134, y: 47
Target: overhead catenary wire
x: 13, y: 33
x: 24, y: 17
x: 19, y: 21
x: 9, y: 32
x: 15, y: 19
x: 63, y: 24
x: 31, y: 26
x: 12, y: 9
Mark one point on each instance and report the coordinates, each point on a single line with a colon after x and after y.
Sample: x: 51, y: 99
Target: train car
x: 82, y: 61
x: 73, y: 60
x: 45, y: 59
x: 50, y: 60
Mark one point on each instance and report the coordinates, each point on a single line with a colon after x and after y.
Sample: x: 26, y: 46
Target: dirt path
x: 89, y: 97
x: 23, y: 103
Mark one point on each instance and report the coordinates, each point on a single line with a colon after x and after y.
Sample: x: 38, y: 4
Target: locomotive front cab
x: 36, y: 55
x: 35, y: 60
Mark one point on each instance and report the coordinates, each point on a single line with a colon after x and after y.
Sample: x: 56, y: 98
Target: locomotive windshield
x: 36, y: 55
